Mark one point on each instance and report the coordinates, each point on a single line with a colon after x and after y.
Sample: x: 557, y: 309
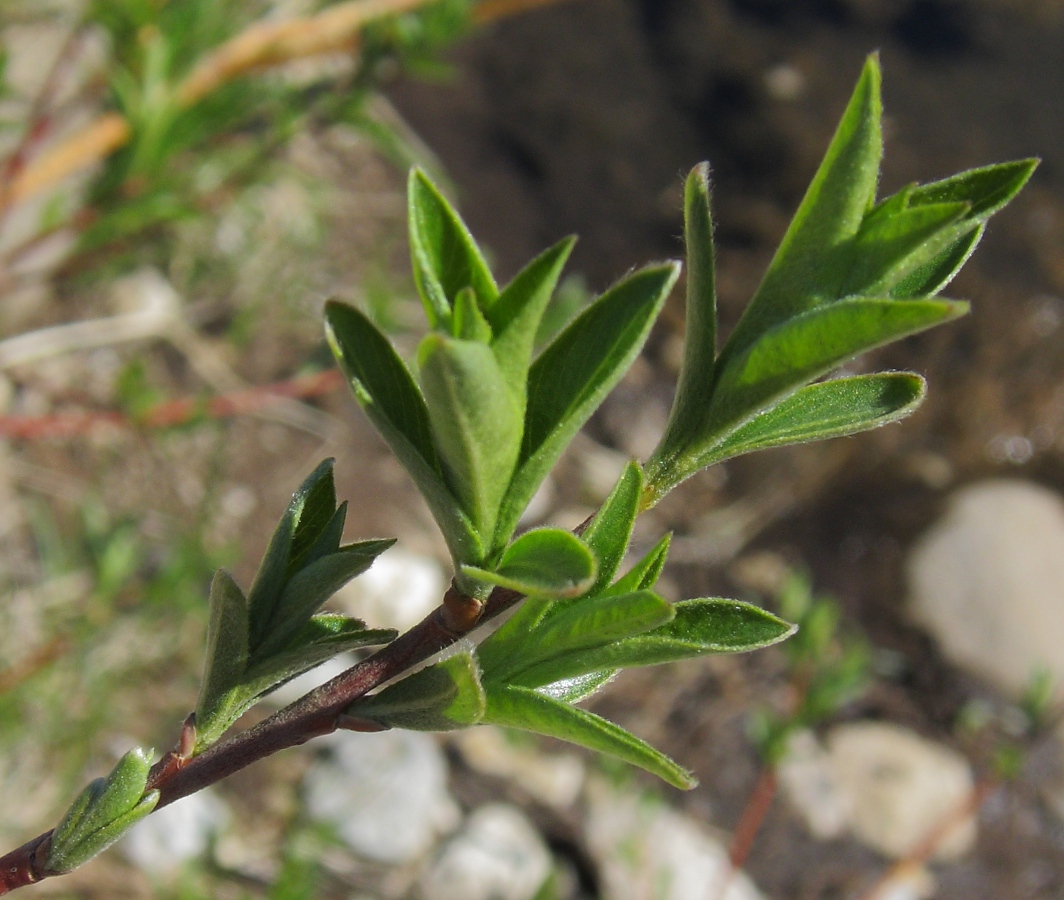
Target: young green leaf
x: 808, y: 345
x: 842, y: 191
x: 573, y: 690
x: 316, y: 510
x: 445, y: 257
x: 102, y: 813
x: 516, y: 315
x: 227, y: 657
x: 583, y: 625
x: 517, y: 707
x: 388, y: 394
x: 573, y: 375
x: 476, y: 424
x: 985, y: 189
x: 442, y: 697
x: 698, y: 628
x: 608, y: 533
x: 469, y: 323
x: 695, y: 385
x: 312, y: 586
x: 645, y: 573
x: 543, y: 562
x: 931, y: 277
x: 829, y: 409
x: 889, y: 247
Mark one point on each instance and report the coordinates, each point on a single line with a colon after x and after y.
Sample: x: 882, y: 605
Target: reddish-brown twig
x: 318, y: 713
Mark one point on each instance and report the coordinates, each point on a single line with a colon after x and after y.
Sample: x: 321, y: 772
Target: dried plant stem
x: 260, y: 46
x: 318, y: 713
x: 263, y: 44
x: 175, y: 412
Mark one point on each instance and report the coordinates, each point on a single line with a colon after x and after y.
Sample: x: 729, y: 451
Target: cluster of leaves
x: 482, y: 418
x: 256, y: 643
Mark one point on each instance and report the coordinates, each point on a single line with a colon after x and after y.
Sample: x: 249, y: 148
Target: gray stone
x: 554, y: 779
x: 988, y: 581
x: 397, y: 591
x: 900, y: 788
x: 807, y: 779
x: 645, y: 849
x: 165, y: 840
x: 498, y: 855
x: 385, y: 794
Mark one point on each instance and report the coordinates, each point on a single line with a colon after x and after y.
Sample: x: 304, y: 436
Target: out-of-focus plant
x: 479, y: 419
x: 202, y: 106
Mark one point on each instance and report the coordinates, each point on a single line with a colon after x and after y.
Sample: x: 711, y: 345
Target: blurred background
x: 176, y: 206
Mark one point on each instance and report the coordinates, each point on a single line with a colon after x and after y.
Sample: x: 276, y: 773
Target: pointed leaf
x: 328, y: 540
x: 444, y: 255
x: 572, y: 690
x: 312, y: 586
x: 830, y: 409
x: 608, y: 533
x: 315, y: 512
x: 813, y: 343
x: 842, y: 191
x: 469, y: 323
x: 986, y: 189
x: 586, y: 624
x: 700, y: 324
x: 517, y: 707
x: 545, y: 562
x: 442, y: 697
x: 573, y: 375
x: 227, y: 656
x: 931, y: 277
x: 476, y: 424
x: 270, y: 578
x: 699, y: 628
x: 887, y: 248
x: 516, y: 315
x: 645, y: 573
x: 387, y: 392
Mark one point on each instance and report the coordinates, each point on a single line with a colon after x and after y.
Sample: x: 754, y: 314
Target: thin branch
x: 320, y: 712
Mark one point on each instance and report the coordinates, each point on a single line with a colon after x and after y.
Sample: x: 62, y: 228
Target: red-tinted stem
x: 753, y: 817
x: 319, y: 712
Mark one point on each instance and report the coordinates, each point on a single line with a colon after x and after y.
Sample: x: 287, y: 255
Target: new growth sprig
x: 478, y: 420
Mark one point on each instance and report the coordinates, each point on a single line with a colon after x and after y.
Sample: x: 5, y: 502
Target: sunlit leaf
x: 545, y: 562
x: 517, y: 707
